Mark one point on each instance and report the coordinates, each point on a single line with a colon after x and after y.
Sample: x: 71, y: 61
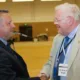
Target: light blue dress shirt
x: 67, y: 56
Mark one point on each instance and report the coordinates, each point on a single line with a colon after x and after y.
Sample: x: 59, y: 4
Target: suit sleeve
x: 6, y: 71
x: 48, y: 66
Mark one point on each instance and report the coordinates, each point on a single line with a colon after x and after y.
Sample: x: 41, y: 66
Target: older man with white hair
x: 63, y: 63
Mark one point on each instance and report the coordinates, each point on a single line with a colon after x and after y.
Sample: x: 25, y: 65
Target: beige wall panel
x: 40, y: 28
x: 21, y: 12
x: 77, y: 2
x: 44, y: 11
x: 35, y: 11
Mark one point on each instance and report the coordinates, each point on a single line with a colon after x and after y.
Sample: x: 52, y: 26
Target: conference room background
x: 37, y: 18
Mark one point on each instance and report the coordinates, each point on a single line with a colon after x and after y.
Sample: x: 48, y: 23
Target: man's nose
x: 55, y: 22
x: 13, y: 26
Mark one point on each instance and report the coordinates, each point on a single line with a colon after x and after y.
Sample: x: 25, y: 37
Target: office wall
x: 35, y: 11
x: 38, y: 14
x: 40, y: 27
x: 77, y: 2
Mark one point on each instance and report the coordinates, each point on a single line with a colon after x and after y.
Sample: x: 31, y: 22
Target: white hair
x: 71, y: 10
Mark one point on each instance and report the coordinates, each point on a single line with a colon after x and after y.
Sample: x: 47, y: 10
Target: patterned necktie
x: 9, y: 48
x: 61, y: 58
x: 66, y: 42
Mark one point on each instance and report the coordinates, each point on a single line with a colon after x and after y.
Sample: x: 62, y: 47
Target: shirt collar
x: 72, y: 34
x: 4, y: 41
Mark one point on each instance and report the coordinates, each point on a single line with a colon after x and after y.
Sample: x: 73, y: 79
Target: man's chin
x: 59, y: 32
x: 9, y: 37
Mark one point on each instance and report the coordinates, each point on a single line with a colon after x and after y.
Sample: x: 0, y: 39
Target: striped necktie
x: 61, y: 58
x: 61, y: 55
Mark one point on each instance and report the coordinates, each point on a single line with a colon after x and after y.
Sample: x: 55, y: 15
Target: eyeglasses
x: 59, y: 19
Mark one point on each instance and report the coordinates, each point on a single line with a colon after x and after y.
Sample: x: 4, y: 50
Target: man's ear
x: 70, y: 20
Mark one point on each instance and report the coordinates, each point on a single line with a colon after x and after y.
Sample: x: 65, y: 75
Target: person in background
x: 12, y: 65
x: 63, y: 63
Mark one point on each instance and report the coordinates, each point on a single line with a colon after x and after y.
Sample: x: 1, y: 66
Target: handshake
x: 43, y: 76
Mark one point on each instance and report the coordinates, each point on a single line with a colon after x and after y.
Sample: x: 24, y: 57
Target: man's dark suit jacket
x: 12, y: 66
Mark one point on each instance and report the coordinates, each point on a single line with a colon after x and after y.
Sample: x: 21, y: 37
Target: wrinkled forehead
x: 5, y: 16
x: 59, y: 13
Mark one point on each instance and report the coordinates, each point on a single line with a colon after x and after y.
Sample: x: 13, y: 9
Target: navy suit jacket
x: 12, y: 66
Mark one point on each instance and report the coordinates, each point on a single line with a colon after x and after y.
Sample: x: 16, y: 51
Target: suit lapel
x: 58, y: 40
x: 5, y: 47
x: 75, y: 48
x: 12, y: 58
